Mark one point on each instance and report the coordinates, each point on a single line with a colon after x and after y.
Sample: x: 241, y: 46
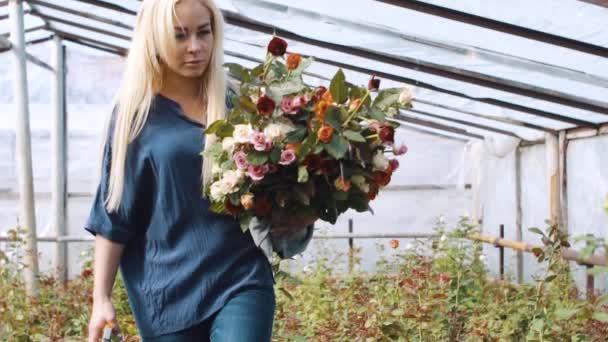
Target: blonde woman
x: 191, y: 275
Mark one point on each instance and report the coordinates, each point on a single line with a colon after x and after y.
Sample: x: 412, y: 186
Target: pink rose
x: 292, y: 105
x: 393, y: 164
x: 257, y: 172
x: 299, y: 102
x: 287, y: 157
x: 401, y: 150
x: 286, y: 105
x: 240, y: 159
x: 260, y: 142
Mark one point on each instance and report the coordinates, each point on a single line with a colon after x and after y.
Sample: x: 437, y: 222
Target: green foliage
x: 436, y: 290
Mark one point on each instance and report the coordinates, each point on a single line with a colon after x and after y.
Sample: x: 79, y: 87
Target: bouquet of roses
x: 290, y: 149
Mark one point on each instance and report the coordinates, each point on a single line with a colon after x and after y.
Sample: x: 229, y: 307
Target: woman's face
x: 194, y: 39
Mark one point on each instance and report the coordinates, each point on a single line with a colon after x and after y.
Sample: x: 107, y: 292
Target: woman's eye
x: 180, y: 36
x: 203, y: 33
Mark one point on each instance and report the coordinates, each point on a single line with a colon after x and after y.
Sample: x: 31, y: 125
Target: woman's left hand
x: 287, y: 225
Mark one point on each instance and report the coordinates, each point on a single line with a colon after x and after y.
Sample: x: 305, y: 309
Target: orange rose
x: 342, y: 184
x: 247, y: 201
x: 293, y: 61
x: 320, y: 109
x: 325, y: 133
x: 327, y: 97
x: 354, y: 105
x: 394, y: 244
x: 295, y: 147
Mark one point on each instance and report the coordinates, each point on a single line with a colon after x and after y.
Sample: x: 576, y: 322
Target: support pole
x: 27, y: 217
x: 59, y: 161
x: 552, y: 154
x: 519, y: 215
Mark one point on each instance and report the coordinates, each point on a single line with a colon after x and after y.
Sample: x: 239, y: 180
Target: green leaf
x: 302, y: 174
x: 338, y: 87
x: 386, y: 98
x: 377, y: 114
x: 337, y: 147
x: 248, y: 105
x: 550, y: 278
x: 257, y: 71
x: 245, y: 220
x: 565, y: 313
x: 288, y: 277
x: 359, y: 203
x: 536, y: 231
x: 214, y: 151
x: 296, y: 135
x: 217, y: 207
x: 354, y: 136
x: 340, y: 195
x: 214, y: 127
x: 238, y: 71
x: 603, y: 299
x: 601, y: 316
x: 275, y: 155
x: 332, y: 117
x: 277, y: 90
x: 306, y: 147
x: 225, y: 130
x: 257, y: 158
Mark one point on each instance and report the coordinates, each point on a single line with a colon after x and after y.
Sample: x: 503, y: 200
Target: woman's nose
x: 194, y: 45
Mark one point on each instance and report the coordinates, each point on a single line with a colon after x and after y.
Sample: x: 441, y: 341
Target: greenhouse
x: 494, y: 225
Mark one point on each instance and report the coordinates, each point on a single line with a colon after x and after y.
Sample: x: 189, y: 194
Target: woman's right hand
x: 103, y: 313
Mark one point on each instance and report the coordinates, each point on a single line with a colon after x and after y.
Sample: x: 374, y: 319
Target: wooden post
x: 590, y: 279
x: 518, y: 215
x: 563, y: 179
x: 501, y: 254
x: 59, y: 161
x: 552, y: 155
x: 27, y: 217
x: 350, y: 246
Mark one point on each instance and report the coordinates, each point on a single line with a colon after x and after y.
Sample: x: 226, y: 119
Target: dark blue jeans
x: 247, y: 316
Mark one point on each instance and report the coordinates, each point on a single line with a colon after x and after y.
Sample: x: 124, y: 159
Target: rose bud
x: 293, y: 61
x: 325, y: 133
x: 394, y: 244
x: 319, y: 93
x: 265, y: 106
x: 387, y: 134
x: 247, y: 201
x: 277, y: 46
x: 342, y: 184
x: 381, y: 178
x: 373, y: 84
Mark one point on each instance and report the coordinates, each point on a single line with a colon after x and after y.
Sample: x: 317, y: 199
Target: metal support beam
x: 500, y: 26
x: 91, y: 16
x: 27, y: 217
x: 429, y: 86
x: 466, y: 123
x: 51, y: 19
x: 59, y: 161
x: 428, y: 67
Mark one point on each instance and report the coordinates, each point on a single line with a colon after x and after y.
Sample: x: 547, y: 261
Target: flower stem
x: 354, y: 111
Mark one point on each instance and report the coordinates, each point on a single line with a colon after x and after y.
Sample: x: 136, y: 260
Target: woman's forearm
x: 107, y: 258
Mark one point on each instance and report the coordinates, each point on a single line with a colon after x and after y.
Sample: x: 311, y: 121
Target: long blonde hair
x: 153, y: 39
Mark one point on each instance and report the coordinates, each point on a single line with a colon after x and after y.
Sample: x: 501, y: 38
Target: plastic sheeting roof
x: 477, y: 67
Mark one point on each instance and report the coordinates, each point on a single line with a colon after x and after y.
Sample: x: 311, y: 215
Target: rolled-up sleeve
x: 121, y: 224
